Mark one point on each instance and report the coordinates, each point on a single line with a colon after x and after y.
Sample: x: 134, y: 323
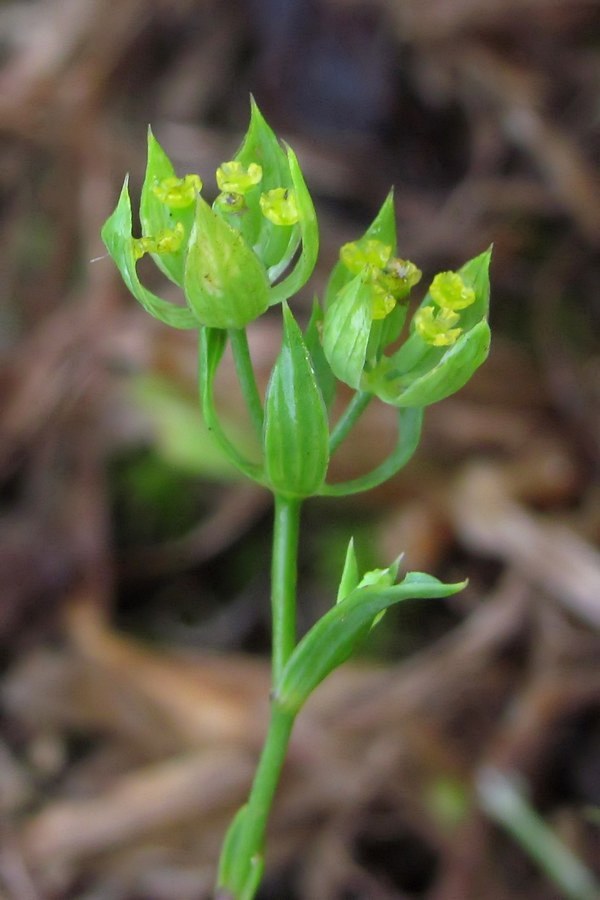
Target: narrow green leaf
x: 296, y: 434
x: 237, y: 874
x: 334, y: 637
x: 350, y: 578
x: 116, y: 234
x: 225, y: 284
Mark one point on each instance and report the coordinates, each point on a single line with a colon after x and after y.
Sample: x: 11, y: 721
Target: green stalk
x: 249, y: 848
x: 245, y: 371
x: 348, y: 419
x: 242, y: 856
x: 283, y: 581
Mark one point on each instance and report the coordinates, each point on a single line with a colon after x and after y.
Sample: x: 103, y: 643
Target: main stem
x: 250, y: 841
x: 284, y: 569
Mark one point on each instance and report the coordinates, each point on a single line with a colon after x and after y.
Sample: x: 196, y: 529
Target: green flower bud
x: 296, y: 433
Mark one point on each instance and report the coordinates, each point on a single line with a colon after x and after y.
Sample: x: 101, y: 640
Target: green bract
x: 296, y: 433
x: 229, y: 259
x: 333, y: 638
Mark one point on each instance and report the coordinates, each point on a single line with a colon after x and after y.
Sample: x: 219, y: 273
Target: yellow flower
x: 437, y: 328
x: 177, y: 193
x: 279, y: 206
x: 382, y: 302
x: 356, y: 255
x: 235, y: 178
x: 449, y: 291
x: 168, y: 240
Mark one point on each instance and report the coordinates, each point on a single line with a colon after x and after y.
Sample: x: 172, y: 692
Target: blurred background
x: 134, y: 565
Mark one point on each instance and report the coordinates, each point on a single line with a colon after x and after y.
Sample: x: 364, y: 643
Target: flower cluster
x: 228, y: 257
x: 438, y: 326
x: 389, y: 278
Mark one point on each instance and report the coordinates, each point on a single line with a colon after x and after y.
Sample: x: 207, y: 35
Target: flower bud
x: 296, y: 433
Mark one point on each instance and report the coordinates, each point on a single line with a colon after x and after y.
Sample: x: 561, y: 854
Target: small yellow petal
x: 358, y: 254
x: 177, y: 193
x: 449, y: 291
x: 382, y: 302
x: 437, y: 328
x: 235, y: 178
x: 279, y: 206
x: 168, y: 240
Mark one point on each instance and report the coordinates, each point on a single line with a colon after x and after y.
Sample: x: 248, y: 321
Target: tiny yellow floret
x: 449, y: 291
x: 358, y: 254
x: 382, y: 302
x: 279, y: 206
x: 168, y: 240
x: 437, y: 328
x: 235, y: 178
x: 177, y: 193
x: 399, y: 277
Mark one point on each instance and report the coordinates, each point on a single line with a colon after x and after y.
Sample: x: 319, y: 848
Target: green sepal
x: 312, y: 338
x: 296, y: 434
x: 308, y: 236
x: 334, y: 637
x: 382, y: 228
x: 260, y: 145
x: 419, y: 374
x: 156, y: 216
x: 225, y: 284
x: 116, y: 234
x: 350, y: 577
x: 346, y: 331
x: 443, y: 378
x: 240, y: 876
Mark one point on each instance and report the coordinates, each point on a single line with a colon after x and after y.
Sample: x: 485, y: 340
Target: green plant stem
x: 240, y: 865
x: 245, y: 371
x: 283, y: 581
x: 410, y: 421
x: 348, y: 419
x: 211, y: 345
x: 266, y: 779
